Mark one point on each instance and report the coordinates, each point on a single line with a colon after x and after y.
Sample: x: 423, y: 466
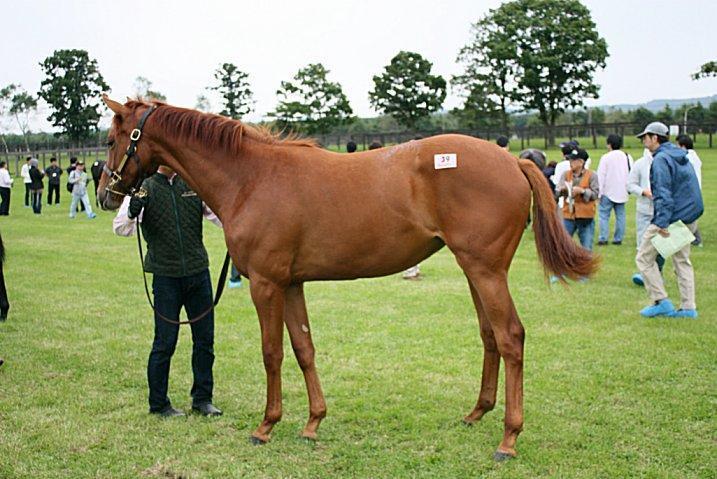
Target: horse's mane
x: 214, y: 131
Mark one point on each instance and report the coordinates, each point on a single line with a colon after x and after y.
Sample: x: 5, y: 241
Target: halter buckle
x: 136, y: 133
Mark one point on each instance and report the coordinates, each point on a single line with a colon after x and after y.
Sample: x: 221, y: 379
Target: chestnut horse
x: 293, y: 212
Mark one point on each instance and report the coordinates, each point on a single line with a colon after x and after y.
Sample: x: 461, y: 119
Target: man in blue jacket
x: 676, y: 196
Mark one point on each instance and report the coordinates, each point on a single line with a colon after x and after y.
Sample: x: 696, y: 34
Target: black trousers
x: 27, y: 194
x: 170, y: 294
x: 4, y: 201
x: 56, y: 189
x: 36, y: 197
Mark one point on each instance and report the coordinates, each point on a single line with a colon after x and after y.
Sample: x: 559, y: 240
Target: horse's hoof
x: 468, y: 422
x: 500, y: 456
x: 256, y: 441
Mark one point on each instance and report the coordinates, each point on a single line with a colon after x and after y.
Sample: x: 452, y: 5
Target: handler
x: 171, y: 217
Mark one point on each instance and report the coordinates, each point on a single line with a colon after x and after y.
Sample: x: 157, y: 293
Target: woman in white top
x: 5, y: 189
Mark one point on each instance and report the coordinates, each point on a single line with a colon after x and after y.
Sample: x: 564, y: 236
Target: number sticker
x: 445, y: 160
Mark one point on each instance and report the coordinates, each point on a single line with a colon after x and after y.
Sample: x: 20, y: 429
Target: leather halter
x: 131, y: 153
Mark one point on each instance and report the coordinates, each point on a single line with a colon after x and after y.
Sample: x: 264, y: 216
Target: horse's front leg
x: 297, y: 322
x: 269, y: 301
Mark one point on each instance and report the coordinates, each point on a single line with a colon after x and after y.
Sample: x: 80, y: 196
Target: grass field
x: 607, y: 394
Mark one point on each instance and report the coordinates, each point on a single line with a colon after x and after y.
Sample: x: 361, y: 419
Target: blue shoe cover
x: 684, y: 313
x: 661, y: 308
x: 637, y: 279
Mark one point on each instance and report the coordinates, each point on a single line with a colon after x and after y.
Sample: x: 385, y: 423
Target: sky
x: 654, y: 45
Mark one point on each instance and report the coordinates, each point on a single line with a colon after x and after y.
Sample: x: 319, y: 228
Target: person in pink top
x: 612, y: 173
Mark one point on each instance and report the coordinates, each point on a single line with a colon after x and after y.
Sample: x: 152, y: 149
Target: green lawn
x: 607, y: 394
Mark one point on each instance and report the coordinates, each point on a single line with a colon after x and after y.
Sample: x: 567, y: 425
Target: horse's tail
x: 557, y: 250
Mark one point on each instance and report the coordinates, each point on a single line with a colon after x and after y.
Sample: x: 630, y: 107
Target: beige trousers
x: 654, y: 283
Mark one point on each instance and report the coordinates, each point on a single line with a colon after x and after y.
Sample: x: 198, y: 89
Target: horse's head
x: 131, y: 156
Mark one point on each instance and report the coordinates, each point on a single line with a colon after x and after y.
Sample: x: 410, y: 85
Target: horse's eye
x: 110, y: 143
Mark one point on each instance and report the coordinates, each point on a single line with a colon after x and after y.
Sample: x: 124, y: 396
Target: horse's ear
x: 117, y: 107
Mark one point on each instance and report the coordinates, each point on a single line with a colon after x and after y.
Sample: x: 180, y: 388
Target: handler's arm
x: 122, y: 225
x: 210, y: 216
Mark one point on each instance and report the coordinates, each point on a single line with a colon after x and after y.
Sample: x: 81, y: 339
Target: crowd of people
x: 667, y: 182
x: 34, y: 177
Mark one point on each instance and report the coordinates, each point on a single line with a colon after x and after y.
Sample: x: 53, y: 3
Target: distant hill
x: 657, y: 105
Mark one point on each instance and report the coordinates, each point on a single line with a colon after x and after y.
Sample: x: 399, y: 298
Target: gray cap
x: 656, y: 128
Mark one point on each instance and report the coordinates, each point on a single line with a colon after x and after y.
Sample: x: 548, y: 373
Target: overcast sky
x: 654, y: 45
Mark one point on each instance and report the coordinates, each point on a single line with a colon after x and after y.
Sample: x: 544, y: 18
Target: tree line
x: 528, y: 62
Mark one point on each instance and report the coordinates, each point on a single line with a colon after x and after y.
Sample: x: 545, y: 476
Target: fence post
x: 592, y: 131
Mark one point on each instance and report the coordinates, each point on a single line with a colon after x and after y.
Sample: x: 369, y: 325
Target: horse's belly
x: 363, y: 256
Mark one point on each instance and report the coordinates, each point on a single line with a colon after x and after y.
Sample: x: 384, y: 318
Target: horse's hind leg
x: 297, y: 322
x: 491, y: 363
x: 492, y: 288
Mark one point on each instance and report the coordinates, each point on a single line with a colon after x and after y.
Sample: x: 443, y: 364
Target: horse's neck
x: 216, y: 175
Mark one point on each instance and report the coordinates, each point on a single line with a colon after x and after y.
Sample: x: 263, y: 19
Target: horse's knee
x: 273, y: 358
x: 305, y: 357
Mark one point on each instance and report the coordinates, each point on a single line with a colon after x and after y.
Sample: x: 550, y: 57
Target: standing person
x: 53, y: 173
x: 5, y: 189
x: 579, y: 186
x: 638, y: 184
x: 612, y: 172
x: 686, y: 144
x: 25, y: 174
x: 171, y: 217
x: 676, y: 197
x: 36, y: 186
x: 78, y: 180
x: 70, y: 186
x: 4, y: 301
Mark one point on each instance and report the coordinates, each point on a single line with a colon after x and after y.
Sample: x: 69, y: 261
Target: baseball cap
x: 80, y: 162
x: 655, y: 128
x: 578, y: 154
x: 568, y: 146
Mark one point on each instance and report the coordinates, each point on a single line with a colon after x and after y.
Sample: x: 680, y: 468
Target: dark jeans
x: 56, y: 189
x: 36, y: 197
x: 5, y: 205
x: 170, y: 294
x: 27, y: 194
x: 585, y: 228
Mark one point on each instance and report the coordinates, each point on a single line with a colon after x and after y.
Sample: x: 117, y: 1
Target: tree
x: 406, y: 90
x: 642, y: 116
x: 203, y: 104
x: 143, y: 90
x: 6, y: 95
x: 488, y: 81
x: 312, y: 103
x: 233, y: 86
x: 23, y: 106
x: 665, y: 115
x: 557, y: 52
x: 709, y: 69
x: 480, y: 110
x: 72, y: 89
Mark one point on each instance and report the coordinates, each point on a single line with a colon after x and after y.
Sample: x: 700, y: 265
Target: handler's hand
x: 664, y: 233
x: 136, y: 203
x: 578, y: 190
x: 647, y: 193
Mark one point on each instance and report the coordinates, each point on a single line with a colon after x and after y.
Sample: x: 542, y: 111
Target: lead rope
x: 220, y: 284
